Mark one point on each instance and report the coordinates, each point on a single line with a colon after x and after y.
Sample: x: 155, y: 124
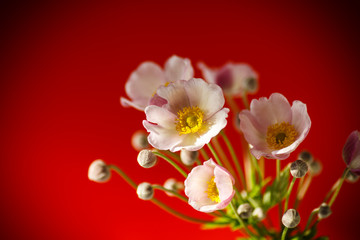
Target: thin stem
x: 233, y: 105
x: 255, y: 163
x: 303, y: 189
x: 177, y: 167
x: 204, y: 154
x: 123, y: 175
x: 181, y: 197
x: 328, y: 195
x: 346, y: 171
x: 288, y: 193
x: 245, y: 100
x: 174, y: 155
x: 242, y: 223
x: 283, y: 236
x: 315, y: 211
x: 235, y: 159
x: 278, y: 166
x: 213, y: 152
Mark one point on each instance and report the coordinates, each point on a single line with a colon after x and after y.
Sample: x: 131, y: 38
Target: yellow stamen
x: 281, y: 135
x: 212, y: 191
x: 190, y: 120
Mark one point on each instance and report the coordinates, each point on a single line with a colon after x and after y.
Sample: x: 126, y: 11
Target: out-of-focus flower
x: 315, y: 167
x: 306, y: 156
x: 143, y: 82
x: 273, y: 128
x: 188, y: 157
x: 193, y: 114
x: 173, y: 185
x: 99, y: 171
x: 234, y: 79
x: 291, y: 218
x: 145, y: 191
x: 244, y: 210
x: 351, y: 152
x: 139, y: 140
x: 146, y: 158
x: 209, y: 187
x: 299, y: 168
x: 258, y: 214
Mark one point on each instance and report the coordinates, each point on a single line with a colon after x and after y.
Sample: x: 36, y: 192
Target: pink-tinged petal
x: 208, y: 74
x: 351, y: 152
x: 177, y: 68
x: 139, y: 104
x: 276, y: 109
x: 300, y: 118
x: 143, y: 82
x: 157, y: 101
x: 208, y: 97
x: 175, y: 95
x: 160, y: 116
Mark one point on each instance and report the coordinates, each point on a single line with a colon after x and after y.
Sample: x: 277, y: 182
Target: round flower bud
x: 173, y: 185
x: 258, y: 214
x: 315, y: 168
x: 324, y: 211
x: 298, y: 168
x: 244, y: 210
x: 145, y: 191
x: 352, y: 177
x: 188, y: 157
x: 291, y: 218
x: 99, y: 171
x: 306, y: 156
x: 251, y: 84
x: 146, y: 158
x: 139, y: 140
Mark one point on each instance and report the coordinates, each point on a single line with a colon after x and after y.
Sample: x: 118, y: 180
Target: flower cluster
x: 185, y: 120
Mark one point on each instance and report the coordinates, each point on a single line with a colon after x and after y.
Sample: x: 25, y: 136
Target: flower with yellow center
x: 209, y: 187
x: 192, y: 115
x: 273, y: 128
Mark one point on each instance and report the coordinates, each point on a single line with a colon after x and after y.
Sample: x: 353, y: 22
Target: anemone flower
x: 234, y: 79
x: 209, y: 187
x: 273, y: 128
x: 143, y: 82
x: 351, y: 152
x: 192, y: 115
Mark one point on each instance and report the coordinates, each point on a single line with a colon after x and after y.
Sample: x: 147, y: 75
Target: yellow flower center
x: 281, y: 135
x: 212, y: 191
x: 190, y: 120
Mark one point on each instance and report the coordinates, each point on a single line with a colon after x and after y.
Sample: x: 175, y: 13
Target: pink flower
x: 273, y: 128
x: 192, y: 115
x: 234, y: 79
x: 209, y: 187
x: 143, y: 82
x: 351, y: 152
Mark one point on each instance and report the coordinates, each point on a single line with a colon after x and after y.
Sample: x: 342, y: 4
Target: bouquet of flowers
x: 186, y: 119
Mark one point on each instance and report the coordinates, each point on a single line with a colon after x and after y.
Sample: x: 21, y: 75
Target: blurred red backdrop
x: 63, y: 70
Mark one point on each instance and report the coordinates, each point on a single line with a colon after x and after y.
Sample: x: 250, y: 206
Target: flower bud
x: 146, y: 158
x: 258, y: 214
x: 173, y: 185
x: 298, y: 168
x: 291, y: 218
x: 324, y: 211
x: 99, y: 171
x: 145, y: 191
x: 139, y: 140
x: 351, y: 177
x: 244, y: 210
x: 315, y: 168
x: 351, y: 152
x: 188, y: 157
x: 306, y: 156
x: 251, y: 85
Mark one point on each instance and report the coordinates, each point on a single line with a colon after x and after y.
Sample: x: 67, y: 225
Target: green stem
x: 278, y: 169
x: 174, y: 155
x: 123, y: 175
x: 242, y: 223
x: 288, y: 194
x: 181, y: 197
x: 315, y: 211
x: 283, y: 236
x: 171, y: 162
x: 255, y: 163
x: 346, y: 171
x: 213, y: 152
x: 204, y: 154
x: 235, y: 159
x: 245, y: 100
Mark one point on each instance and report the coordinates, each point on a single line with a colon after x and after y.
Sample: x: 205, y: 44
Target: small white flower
x: 209, y: 187
x: 99, y: 171
x: 143, y: 82
x: 193, y: 114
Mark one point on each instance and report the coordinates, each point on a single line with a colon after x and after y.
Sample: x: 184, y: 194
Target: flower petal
x: 177, y: 68
x: 175, y: 95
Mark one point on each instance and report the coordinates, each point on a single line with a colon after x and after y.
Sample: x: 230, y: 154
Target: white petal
x: 207, y: 73
x: 139, y: 104
x: 160, y: 116
x: 177, y: 68
x: 175, y: 95
x: 300, y: 118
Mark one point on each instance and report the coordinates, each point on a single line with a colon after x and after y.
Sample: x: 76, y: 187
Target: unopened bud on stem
x: 244, y: 210
x: 139, y: 140
x: 291, y: 218
x: 146, y: 158
x: 306, y: 156
x: 188, y: 157
x: 298, y: 168
x: 324, y: 211
x: 145, y: 191
x: 99, y: 171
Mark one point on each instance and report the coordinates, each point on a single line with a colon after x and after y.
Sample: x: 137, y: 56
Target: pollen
x: 189, y: 120
x: 281, y: 135
x: 212, y: 191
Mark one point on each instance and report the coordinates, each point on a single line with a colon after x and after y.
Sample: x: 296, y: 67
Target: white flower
x: 99, y: 171
x: 193, y: 114
x: 234, y: 79
x: 209, y: 187
x: 143, y: 82
x: 273, y: 128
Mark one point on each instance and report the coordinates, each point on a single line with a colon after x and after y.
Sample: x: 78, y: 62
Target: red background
x: 64, y: 66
